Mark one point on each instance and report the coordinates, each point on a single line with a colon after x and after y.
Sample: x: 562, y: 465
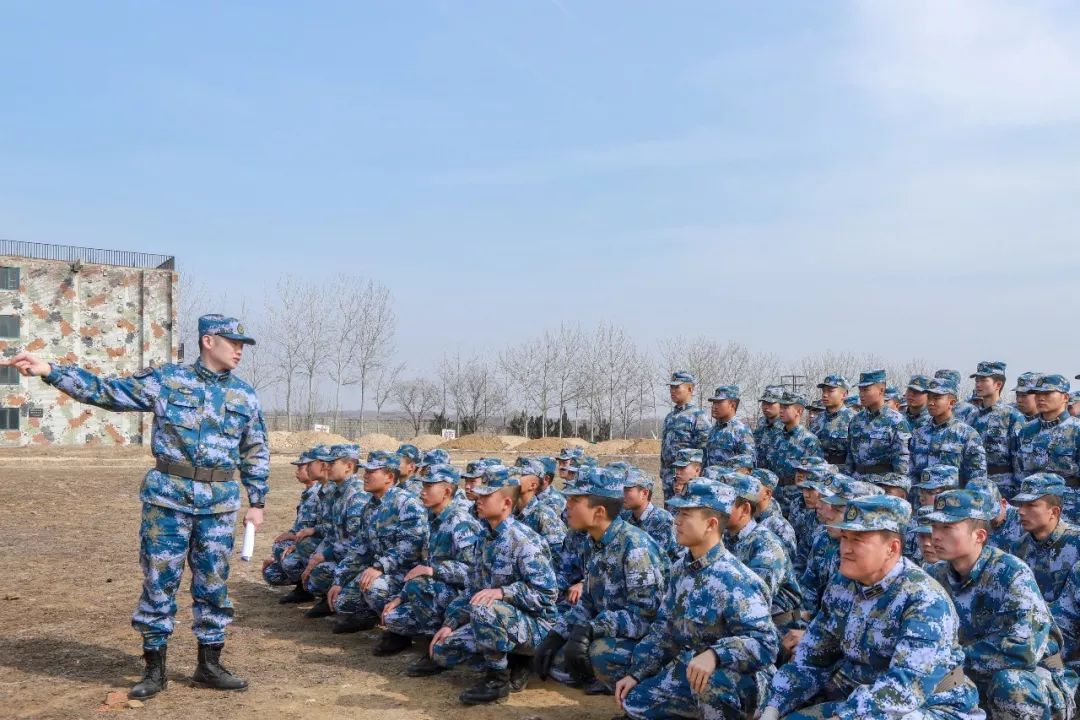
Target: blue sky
x: 896, y: 177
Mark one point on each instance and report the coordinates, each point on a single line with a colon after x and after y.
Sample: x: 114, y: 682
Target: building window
x: 9, y: 418
x: 8, y: 375
x: 9, y: 278
x: 9, y: 326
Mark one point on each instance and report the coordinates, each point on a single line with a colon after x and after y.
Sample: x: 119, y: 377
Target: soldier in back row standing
x: 685, y: 427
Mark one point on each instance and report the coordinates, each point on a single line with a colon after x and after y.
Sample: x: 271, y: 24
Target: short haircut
x: 512, y: 491
x: 739, y: 501
x: 979, y: 525
x: 1052, y: 500
x: 721, y: 517
x: 612, y: 506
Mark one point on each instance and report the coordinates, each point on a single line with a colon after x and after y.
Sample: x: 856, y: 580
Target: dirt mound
x: 551, y: 445
x: 289, y: 442
x: 615, y: 446
x: 646, y: 446
x: 512, y: 441
x: 427, y: 442
x: 378, y: 441
x: 475, y: 442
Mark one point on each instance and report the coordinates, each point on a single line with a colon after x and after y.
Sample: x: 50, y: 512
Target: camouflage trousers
x: 321, y: 578
x: 958, y: 703
x: 169, y: 538
x: 1070, y: 506
x: 354, y: 601
x: 610, y: 659
x: 786, y: 495
x: 667, y: 481
x: 286, y: 569
x: 423, y: 603
x: 1024, y: 695
x: 667, y: 694
x: 490, y: 634
x: 1006, y: 483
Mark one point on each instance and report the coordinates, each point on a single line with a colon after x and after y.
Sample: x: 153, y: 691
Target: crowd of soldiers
x: 793, y: 580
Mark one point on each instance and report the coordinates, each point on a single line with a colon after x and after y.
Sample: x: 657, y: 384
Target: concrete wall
x: 111, y: 320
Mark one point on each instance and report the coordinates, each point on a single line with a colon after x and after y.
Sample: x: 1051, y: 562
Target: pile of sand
x: 551, y: 445
x: 293, y: 442
x: 427, y: 442
x: 512, y: 441
x: 378, y: 441
x: 615, y: 446
x: 647, y: 446
x: 474, y: 442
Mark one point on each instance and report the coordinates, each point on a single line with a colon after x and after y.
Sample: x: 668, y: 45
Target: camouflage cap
x: 942, y: 386
x: 1051, y: 383
x: 619, y: 467
x: 990, y: 368
x: 852, y: 401
x: 682, y: 377
x: 409, y: 451
x: 226, y: 327
x: 307, y: 456
x: 947, y: 374
x: 549, y: 464
x: 987, y: 487
x: 346, y: 451
x: 875, y: 512
x: 918, y: 383
x: 571, y: 453
x: 747, y: 487
x: 1037, y: 485
x: 824, y: 484
x: 380, y: 459
x: 1026, y: 381
x: 713, y: 472
x: 496, y: 477
x: 705, y: 494
x: 688, y: 456
x: 846, y: 489
x: 922, y: 524
x: 766, y: 477
x: 441, y: 474
x: 639, y: 478
x: 897, y: 480
x: 725, y: 392
x: 939, y: 477
x: 772, y: 394
x: 892, y: 393
x: 597, y: 482
x: 816, y: 406
x: 531, y: 466
x: 475, y: 468
x: 953, y: 506
x: 435, y: 457
x: 323, y: 453
x: 793, y: 398
x: 1074, y: 397
x: 871, y: 377
x: 834, y: 381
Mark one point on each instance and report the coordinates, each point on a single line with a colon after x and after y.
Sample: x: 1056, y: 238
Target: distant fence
x: 349, y: 427
x: 96, y: 256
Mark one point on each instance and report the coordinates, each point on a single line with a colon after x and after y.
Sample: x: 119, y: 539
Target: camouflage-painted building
x: 110, y: 311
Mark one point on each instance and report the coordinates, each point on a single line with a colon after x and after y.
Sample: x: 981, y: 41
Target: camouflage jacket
x: 951, y: 443
x: 789, y: 448
x: 761, y: 551
x: 1052, y: 558
x: 660, y: 525
x: 822, y: 565
x: 764, y: 433
x: 1052, y: 446
x: 730, y: 446
x: 453, y: 535
x: 545, y: 522
x: 774, y: 520
x: 307, y: 510
x: 1007, y: 535
x: 831, y: 429
x: 347, y: 503
x: 999, y: 426
x: 393, y: 532
x: 879, y: 438
x: 686, y: 426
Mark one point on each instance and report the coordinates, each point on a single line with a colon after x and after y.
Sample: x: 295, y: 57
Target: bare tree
x: 385, y: 381
x: 417, y: 398
x: 519, y: 364
x: 475, y: 390
x: 375, y: 328
x: 712, y: 362
x: 286, y: 335
x: 316, y: 315
x: 566, y: 345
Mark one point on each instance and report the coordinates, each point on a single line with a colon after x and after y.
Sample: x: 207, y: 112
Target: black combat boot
x: 424, y: 667
x: 494, y: 688
x: 520, y: 670
x: 354, y: 622
x: 390, y: 643
x: 153, y: 679
x: 211, y: 674
x: 297, y: 595
x: 319, y: 609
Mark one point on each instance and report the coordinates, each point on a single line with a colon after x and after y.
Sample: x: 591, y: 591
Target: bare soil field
x: 69, y: 580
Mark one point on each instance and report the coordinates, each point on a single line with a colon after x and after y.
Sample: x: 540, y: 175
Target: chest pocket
x: 183, y: 410
x: 236, y: 419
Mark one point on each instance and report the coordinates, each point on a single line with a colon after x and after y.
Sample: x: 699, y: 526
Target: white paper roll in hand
x: 249, y: 542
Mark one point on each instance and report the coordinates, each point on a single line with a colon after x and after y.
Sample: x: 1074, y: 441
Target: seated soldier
x: 392, y: 536
x: 1050, y: 546
x: 549, y: 494
x: 1005, y: 626
x: 894, y: 484
x: 710, y: 651
x: 626, y: 580
x: 307, y: 515
x: 639, y: 511
x: 1005, y: 527
x: 884, y: 644
x: 442, y: 575
x: 349, y: 501
x: 802, y: 512
x: 539, y: 516
x: 769, y: 515
x: 687, y: 466
x: 571, y: 561
x: 409, y: 469
x: 295, y: 558
x: 509, y: 604
x: 924, y: 533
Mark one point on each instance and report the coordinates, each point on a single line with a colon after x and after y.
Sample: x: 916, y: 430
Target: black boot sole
x: 424, y: 673
x: 208, y: 686
x: 474, y: 703
x: 151, y: 695
x: 384, y: 651
x: 293, y: 599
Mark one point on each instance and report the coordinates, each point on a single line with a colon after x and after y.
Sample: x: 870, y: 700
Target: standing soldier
x: 831, y: 427
x: 769, y: 422
x: 731, y: 444
x: 793, y: 443
x: 1051, y: 443
x: 892, y: 397
x: 878, y: 437
x: 1025, y: 398
x: 916, y: 413
x: 999, y: 425
x: 945, y: 440
x: 964, y: 411
x: 208, y: 425
x: 685, y: 427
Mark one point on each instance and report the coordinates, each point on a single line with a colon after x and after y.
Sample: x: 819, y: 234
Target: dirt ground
x: 69, y: 580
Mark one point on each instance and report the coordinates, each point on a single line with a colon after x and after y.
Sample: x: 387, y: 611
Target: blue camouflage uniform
x: 948, y: 443
x: 999, y: 426
x: 878, y: 442
x: 771, y: 517
x: 551, y: 495
x: 345, y: 522
x: 296, y: 561
x: 1005, y: 626
x: 410, y: 483
x: 887, y: 651
x: 655, y: 520
x: 625, y: 582
x: 764, y: 431
x: 919, y: 384
x: 1005, y: 531
x: 203, y: 421
x: 789, y: 448
x: 393, y: 534
x: 712, y: 602
x: 543, y: 520
x: 964, y: 410
x: 1053, y: 446
x: 831, y: 427
x: 1066, y: 613
x: 686, y: 426
x: 516, y: 560
x: 307, y: 514
x: 731, y: 444
x: 1052, y: 557
x: 453, y: 535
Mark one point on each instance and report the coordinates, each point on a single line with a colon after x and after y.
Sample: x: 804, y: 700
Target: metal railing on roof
x: 96, y: 256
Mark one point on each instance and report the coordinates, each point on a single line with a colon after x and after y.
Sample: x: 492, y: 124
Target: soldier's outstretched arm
x: 134, y: 393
